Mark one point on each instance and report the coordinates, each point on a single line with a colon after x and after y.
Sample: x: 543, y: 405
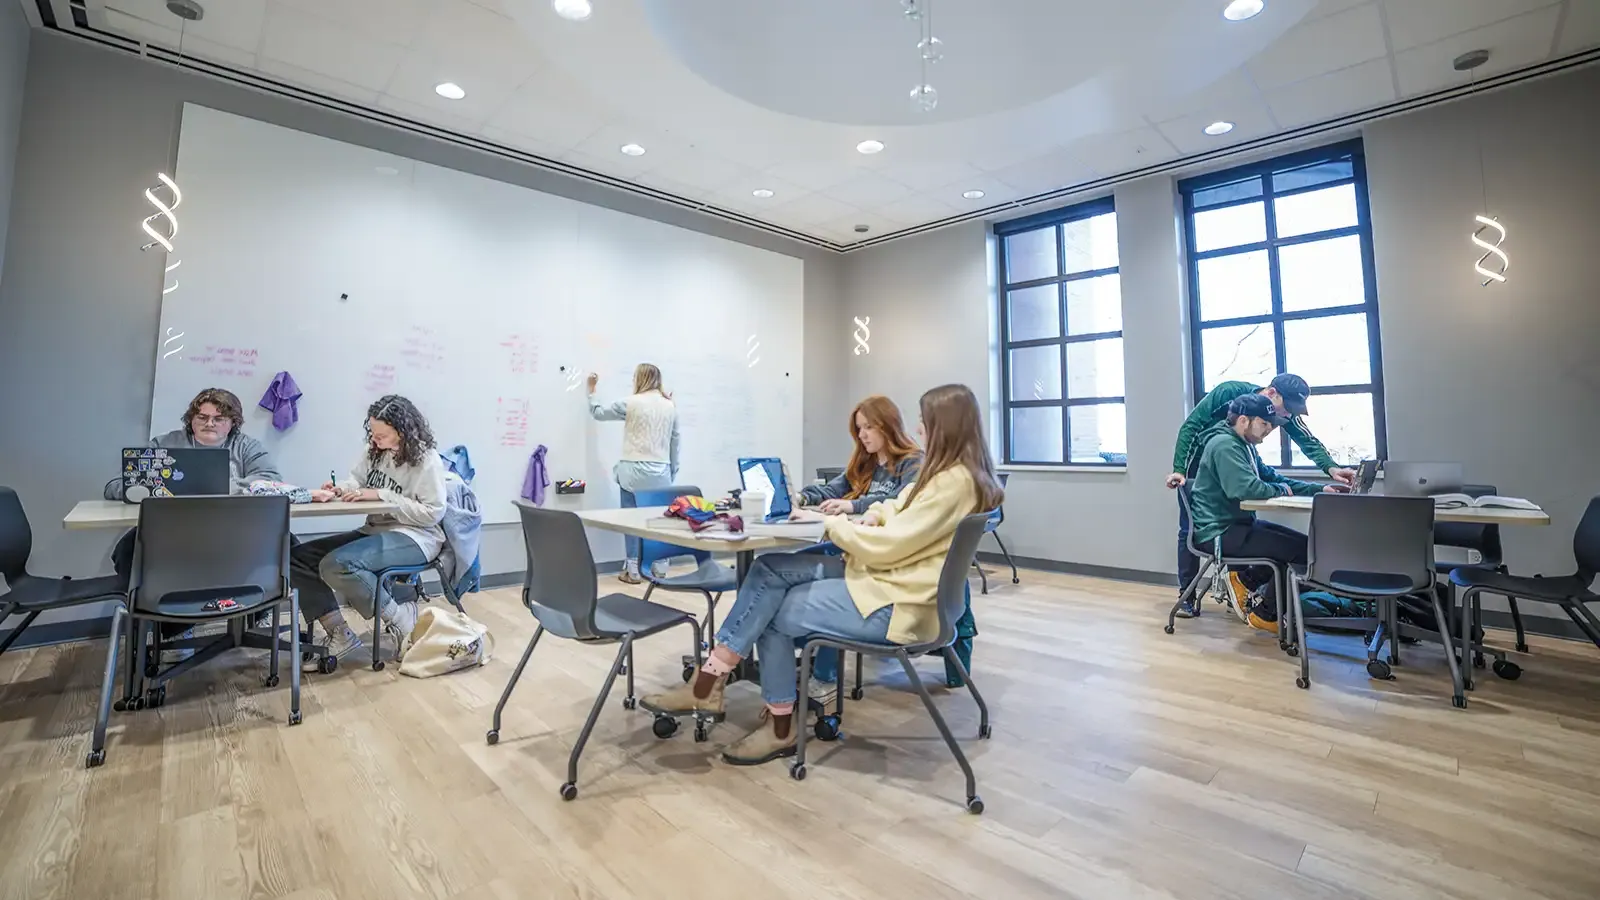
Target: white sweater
x: 418, y: 491
x: 649, y: 430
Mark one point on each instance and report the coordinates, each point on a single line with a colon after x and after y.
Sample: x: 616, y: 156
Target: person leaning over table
x: 1230, y: 471
x: 1287, y: 394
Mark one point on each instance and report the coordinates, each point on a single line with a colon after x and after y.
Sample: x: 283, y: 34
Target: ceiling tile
x: 521, y: 142
x: 317, y: 45
x: 236, y: 23
x: 1329, y: 7
x: 467, y: 34
x: 919, y: 209
x: 1219, y: 96
x: 428, y: 115
x: 814, y: 209
x: 696, y: 167
x: 1250, y: 121
x: 1056, y: 169
x: 1581, y: 31
x: 994, y: 190
x: 676, y: 188
x: 814, y: 174
x: 616, y: 165
x: 843, y: 229
x: 609, y: 140
x: 1123, y: 151
x: 139, y: 29
x: 1333, y: 95
x: 419, y: 73
x: 318, y: 83
x: 868, y: 190
x: 930, y: 174
x: 553, y: 110
x: 740, y: 190
x: 1413, y: 23
x: 385, y: 21
x: 1321, y: 46
x: 1513, y: 43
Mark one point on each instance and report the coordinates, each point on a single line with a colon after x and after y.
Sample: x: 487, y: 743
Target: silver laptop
x: 1421, y: 479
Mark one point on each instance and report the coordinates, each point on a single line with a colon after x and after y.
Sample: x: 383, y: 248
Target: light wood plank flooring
x: 1125, y: 764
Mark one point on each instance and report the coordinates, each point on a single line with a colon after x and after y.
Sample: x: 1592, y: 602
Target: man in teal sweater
x: 1230, y: 471
x: 1287, y: 395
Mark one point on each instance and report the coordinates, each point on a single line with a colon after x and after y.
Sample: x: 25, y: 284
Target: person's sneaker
x: 681, y: 701
x: 1260, y: 622
x: 660, y: 569
x: 630, y: 573
x: 819, y: 690
x: 1240, y: 597
x: 173, y: 657
x: 1189, y: 608
x: 342, y: 645
x: 762, y: 745
x: 399, y: 620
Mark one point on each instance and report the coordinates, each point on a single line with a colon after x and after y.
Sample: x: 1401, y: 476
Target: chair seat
x: 1445, y: 568
x: 709, y: 576
x: 1553, y: 590
x: 618, y: 614
x: 1362, y: 584
x: 31, y: 592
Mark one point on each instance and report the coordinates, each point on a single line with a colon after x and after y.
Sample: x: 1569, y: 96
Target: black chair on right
x: 563, y: 593
x: 1483, y: 540
x: 1572, y: 592
x: 829, y: 473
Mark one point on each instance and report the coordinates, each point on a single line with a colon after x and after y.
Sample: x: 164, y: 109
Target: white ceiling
x: 731, y: 96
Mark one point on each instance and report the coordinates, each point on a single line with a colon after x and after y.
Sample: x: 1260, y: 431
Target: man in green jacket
x: 1230, y: 471
x: 1287, y: 394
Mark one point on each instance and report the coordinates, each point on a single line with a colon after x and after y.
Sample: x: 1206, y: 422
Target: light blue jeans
x: 787, y: 596
x: 631, y: 476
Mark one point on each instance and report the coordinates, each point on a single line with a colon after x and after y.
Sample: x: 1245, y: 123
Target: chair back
x: 1467, y: 536
x: 650, y: 551
x: 999, y: 514
x: 829, y: 473
x: 1382, y: 542
x: 559, y: 588
x: 1188, y: 516
x: 952, y: 596
x: 203, y: 543
x: 1586, y: 541
x: 16, y: 538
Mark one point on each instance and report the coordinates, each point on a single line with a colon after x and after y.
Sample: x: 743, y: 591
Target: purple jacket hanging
x: 283, y: 398
x: 537, y: 478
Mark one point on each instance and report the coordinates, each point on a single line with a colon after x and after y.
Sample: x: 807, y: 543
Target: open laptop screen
x: 766, y: 474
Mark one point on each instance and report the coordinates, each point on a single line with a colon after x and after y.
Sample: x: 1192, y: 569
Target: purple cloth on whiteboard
x: 283, y: 398
x: 537, y: 478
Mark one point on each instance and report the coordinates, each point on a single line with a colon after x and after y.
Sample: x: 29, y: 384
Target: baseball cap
x: 1255, y: 406
x: 1294, y: 391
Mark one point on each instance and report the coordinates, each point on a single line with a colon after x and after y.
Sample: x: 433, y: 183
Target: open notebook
x: 1488, y: 501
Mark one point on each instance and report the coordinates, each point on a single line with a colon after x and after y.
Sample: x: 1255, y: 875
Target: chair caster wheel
x: 985, y: 732
x: 857, y: 693
x: 701, y: 735
x: 826, y: 728
x: 1477, y: 660
x: 270, y: 681
x: 975, y: 805
x: 151, y: 670
x: 328, y: 665
x: 630, y: 703
x: 95, y: 759
x: 798, y: 771
x: 1292, y: 650
x: 156, y: 698
x: 1458, y: 702
x: 664, y: 727
x: 121, y: 705
x: 1507, y: 669
x: 492, y: 737
x: 1380, y: 670
x: 688, y: 674
x: 1302, y: 683
x: 378, y: 666
x: 294, y: 717
x: 1167, y: 628
x: 569, y: 791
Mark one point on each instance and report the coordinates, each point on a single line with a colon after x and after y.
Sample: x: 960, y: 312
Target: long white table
x: 116, y: 514
x: 1473, y: 515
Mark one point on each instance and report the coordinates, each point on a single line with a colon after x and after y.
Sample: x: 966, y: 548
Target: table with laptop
x: 1444, y: 482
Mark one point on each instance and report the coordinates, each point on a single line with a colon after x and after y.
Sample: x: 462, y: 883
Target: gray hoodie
x: 886, y: 484
x: 248, y: 460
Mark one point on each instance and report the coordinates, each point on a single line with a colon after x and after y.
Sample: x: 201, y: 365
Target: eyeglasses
x: 200, y: 419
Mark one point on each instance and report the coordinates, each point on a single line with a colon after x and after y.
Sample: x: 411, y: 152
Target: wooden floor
x: 1125, y: 763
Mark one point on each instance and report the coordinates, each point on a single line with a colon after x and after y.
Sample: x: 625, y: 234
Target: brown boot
x: 681, y: 701
x: 762, y: 745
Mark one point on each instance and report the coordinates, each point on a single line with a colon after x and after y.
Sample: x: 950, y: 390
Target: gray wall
x: 80, y: 302
x: 13, y: 73
x: 1504, y: 379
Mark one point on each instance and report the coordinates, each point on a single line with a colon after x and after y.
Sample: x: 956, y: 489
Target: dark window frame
x: 1264, y: 170
x: 1056, y: 219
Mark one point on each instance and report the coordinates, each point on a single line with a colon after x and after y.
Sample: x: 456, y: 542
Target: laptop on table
x: 1421, y: 479
x: 767, y: 474
x: 181, y: 472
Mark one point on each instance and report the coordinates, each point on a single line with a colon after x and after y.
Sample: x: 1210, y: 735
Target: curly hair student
x: 400, y: 466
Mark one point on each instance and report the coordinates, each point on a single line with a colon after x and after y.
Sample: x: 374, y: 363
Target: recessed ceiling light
x: 869, y: 147
x: 576, y: 10
x: 632, y: 149
x: 387, y: 170
x: 1239, y: 10
x: 972, y: 195
x: 1216, y: 128
x: 761, y: 193
x: 449, y: 90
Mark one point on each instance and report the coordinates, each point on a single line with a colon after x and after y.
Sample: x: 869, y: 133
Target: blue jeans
x: 787, y: 596
x: 345, y: 567
x: 634, y: 476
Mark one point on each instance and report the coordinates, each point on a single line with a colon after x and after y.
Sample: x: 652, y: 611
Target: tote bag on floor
x: 445, y: 641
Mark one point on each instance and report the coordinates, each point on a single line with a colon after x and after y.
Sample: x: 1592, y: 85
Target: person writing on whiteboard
x: 883, y: 462
x: 649, y: 445
x: 884, y: 588
x: 399, y: 466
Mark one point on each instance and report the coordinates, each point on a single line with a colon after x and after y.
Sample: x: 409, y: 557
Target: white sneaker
x: 173, y: 657
x: 400, y: 620
x: 341, y: 645
x: 820, y: 691
x: 660, y: 569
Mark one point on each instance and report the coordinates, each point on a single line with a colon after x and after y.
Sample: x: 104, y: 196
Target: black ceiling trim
x: 47, y: 13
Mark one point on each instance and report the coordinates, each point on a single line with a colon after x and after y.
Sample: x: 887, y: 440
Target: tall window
x: 1061, y: 338
x: 1281, y: 280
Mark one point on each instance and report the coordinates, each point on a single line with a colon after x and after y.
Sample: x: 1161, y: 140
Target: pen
x: 333, y: 480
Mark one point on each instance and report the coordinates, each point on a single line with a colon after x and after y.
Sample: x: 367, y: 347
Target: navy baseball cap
x: 1255, y: 406
x: 1294, y: 391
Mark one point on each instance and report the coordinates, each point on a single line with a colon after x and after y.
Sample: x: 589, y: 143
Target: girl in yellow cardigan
x: 883, y: 589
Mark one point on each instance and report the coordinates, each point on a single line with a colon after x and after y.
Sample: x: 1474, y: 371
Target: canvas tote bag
x: 445, y: 641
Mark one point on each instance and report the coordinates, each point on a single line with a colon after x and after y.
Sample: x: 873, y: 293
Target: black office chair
x: 950, y: 601
x: 829, y: 473
x: 194, y: 551
x: 1485, y: 541
x: 562, y: 592
x: 992, y: 526
x: 31, y: 595
x: 1376, y: 549
x: 1570, y: 592
x: 1214, y: 566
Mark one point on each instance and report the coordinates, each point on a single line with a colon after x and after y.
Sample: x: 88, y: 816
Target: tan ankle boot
x: 763, y: 745
x: 681, y: 701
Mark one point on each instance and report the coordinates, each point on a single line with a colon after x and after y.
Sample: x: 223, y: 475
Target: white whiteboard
x: 467, y: 295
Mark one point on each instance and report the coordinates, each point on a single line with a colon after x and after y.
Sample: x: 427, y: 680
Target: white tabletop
x: 632, y: 522
x: 1472, y: 515
x: 116, y: 514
